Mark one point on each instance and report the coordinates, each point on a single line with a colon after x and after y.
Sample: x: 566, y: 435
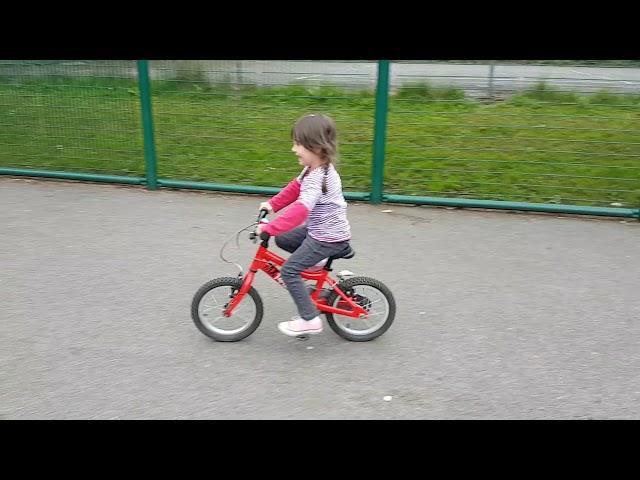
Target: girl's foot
x: 297, y: 326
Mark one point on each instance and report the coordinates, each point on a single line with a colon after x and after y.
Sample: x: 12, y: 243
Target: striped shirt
x: 327, y: 221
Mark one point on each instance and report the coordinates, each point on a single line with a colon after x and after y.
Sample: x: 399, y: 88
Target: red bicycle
x: 229, y: 309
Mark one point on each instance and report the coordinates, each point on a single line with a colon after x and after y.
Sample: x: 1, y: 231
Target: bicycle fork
x: 237, y: 298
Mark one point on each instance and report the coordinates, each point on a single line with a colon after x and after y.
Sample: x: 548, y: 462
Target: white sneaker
x: 318, y: 266
x: 297, y: 326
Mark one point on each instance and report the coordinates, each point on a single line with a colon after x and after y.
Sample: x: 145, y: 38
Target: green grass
x: 539, y: 146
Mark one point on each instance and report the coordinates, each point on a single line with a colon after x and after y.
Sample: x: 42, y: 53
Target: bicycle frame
x: 268, y: 262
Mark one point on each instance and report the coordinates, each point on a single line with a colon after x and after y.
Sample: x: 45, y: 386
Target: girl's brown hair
x: 318, y: 134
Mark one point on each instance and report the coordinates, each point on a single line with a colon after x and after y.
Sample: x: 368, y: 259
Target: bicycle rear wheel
x: 210, y: 301
x: 373, y: 296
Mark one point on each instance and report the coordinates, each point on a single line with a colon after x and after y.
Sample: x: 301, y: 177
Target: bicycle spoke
x: 211, y: 306
x: 235, y: 312
x: 215, y: 302
x: 364, y: 320
x: 375, y: 301
x: 208, y: 308
x: 217, y: 319
x: 371, y: 299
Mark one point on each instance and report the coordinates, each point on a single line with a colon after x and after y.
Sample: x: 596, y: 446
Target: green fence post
x: 492, y: 68
x: 380, y: 131
x: 147, y: 125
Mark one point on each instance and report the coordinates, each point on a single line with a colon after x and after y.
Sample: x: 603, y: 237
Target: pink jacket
x: 294, y: 216
x: 324, y: 211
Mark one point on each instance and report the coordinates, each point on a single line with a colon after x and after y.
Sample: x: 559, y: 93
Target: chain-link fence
x: 528, y: 133
x: 71, y: 116
x: 489, y: 134
x: 230, y: 122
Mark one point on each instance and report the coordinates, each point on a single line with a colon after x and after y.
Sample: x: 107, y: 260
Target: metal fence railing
x: 548, y: 137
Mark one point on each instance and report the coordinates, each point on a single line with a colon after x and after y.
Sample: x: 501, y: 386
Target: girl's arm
x: 297, y: 213
x: 286, y: 196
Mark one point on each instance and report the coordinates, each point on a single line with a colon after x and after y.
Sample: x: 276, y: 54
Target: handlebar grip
x: 264, y: 236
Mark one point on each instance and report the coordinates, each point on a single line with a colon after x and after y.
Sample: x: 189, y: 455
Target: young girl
x: 315, y: 196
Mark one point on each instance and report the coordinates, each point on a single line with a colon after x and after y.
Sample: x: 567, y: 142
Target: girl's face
x: 306, y: 158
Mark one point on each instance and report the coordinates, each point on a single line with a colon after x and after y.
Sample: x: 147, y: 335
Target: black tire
x: 348, y: 286
x: 233, y: 284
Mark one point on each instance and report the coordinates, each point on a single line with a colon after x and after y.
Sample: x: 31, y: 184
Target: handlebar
x: 262, y: 214
x: 264, y: 236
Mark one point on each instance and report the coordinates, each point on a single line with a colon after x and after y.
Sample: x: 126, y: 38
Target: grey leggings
x: 305, y: 252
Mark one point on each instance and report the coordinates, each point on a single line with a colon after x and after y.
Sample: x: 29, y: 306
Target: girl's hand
x: 267, y: 206
x: 258, y: 230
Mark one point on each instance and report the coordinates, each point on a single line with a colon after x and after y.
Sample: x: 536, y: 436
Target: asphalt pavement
x: 500, y: 315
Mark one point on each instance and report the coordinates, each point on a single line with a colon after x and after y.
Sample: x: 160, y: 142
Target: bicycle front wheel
x: 211, y: 300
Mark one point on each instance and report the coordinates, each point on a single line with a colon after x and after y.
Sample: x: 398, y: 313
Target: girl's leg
x: 308, y: 254
x: 290, y: 241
